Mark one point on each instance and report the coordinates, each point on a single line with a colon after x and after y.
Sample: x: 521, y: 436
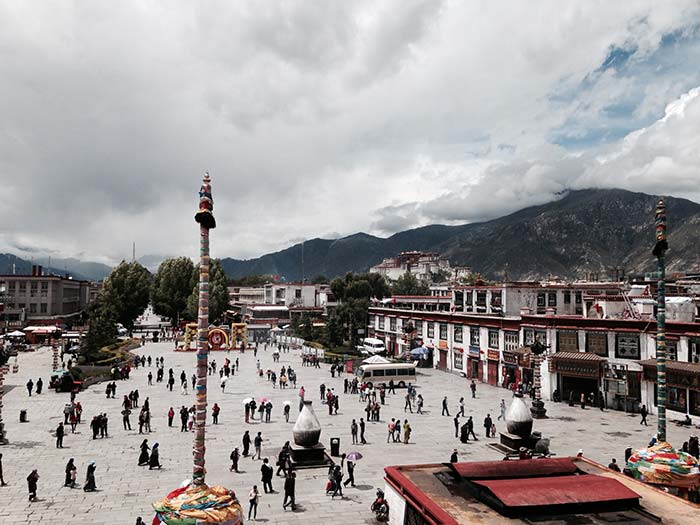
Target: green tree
x: 407, y: 284
x: 102, y: 329
x: 172, y: 286
x: 126, y: 292
x: 320, y: 279
x: 218, y: 292
x: 354, y: 292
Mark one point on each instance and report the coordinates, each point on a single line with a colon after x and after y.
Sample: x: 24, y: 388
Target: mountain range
x: 585, y: 231
x: 594, y: 231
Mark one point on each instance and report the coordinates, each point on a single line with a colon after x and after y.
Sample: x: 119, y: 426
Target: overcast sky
x: 322, y: 118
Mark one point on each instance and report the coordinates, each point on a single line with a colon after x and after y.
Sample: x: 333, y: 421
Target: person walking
x: 286, y: 413
x: 144, y: 456
x: 644, y: 413
x: 419, y: 404
x: 70, y: 474
x: 472, y: 386
x: 2, y: 479
x: 351, y: 474
x: 461, y: 406
x: 362, y: 432
x: 289, y: 491
x: 407, y: 403
x: 470, y: 428
x: 488, y: 422
x: 171, y: 415
x: 125, y: 418
x: 392, y: 387
x: 253, y: 498
x: 215, y: 413
x: 60, y: 432
x: 32, y: 483
x: 154, y: 460
x: 353, y: 431
x: 456, y: 422
x: 30, y: 387
x: 90, y: 485
x: 183, y: 419
x: 406, y: 432
x: 246, y: 443
x: 266, y: 472
x: 445, y: 410
x: 502, y: 415
x: 257, y: 442
x: 39, y: 386
x: 235, y: 456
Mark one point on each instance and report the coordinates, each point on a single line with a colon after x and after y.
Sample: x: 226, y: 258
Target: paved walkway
x: 127, y: 490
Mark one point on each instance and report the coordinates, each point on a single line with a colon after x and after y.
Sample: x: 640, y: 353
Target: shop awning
x: 577, y: 356
x: 678, y: 373
x: 676, y: 366
x: 577, y: 364
x: 522, y: 350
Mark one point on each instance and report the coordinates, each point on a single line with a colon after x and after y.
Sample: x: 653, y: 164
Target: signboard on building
x: 442, y: 345
x: 510, y: 358
x: 474, y: 352
x: 492, y: 355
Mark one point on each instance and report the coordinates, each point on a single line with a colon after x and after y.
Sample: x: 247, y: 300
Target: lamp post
x: 660, y: 252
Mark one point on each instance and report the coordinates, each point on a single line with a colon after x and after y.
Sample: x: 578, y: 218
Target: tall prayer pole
x: 196, y: 502
x: 205, y: 218
x: 660, y: 251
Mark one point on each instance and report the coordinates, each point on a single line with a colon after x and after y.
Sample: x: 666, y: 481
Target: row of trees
x: 173, y: 292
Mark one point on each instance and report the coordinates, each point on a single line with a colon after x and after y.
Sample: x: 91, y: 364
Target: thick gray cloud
x: 317, y: 117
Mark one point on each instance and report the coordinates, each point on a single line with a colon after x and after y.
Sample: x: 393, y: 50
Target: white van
x: 374, y: 375
x: 372, y: 346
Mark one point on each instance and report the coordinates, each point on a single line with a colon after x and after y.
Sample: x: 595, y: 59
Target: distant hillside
x: 585, y: 231
x: 89, y: 271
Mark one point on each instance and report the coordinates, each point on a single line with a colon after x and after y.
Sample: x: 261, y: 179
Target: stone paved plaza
x: 127, y: 490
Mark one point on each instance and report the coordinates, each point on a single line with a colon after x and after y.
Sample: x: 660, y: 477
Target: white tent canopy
x: 376, y: 360
x: 16, y: 333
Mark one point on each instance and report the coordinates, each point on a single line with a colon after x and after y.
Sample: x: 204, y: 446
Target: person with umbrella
x: 351, y: 459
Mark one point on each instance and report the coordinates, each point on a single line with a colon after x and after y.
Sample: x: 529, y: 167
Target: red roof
x: 561, y: 490
x: 514, y: 469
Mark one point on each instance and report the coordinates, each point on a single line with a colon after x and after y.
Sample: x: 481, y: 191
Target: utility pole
x: 660, y: 253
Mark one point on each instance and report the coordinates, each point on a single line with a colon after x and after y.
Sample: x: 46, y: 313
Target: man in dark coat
x: 246, y: 442
x: 266, y: 476
x: 60, y: 432
x: 487, y: 425
x: 289, y: 489
x: 32, y: 480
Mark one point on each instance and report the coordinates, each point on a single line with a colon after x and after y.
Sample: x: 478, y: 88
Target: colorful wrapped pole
x: 196, y: 503
x: 205, y: 218
x: 660, y: 252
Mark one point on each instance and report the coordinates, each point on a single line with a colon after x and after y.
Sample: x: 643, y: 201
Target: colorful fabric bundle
x: 664, y: 465
x: 193, y: 505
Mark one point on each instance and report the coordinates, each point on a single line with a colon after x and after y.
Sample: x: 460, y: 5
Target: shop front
x: 683, y: 385
x: 458, y: 359
x: 492, y: 367
x: 517, y: 367
x: 442, y: 355
x: 474, y: 363
x: 577, y: 373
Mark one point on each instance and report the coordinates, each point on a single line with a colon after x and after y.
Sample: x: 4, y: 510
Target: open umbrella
x: 287, y: 403
x: 353, y: 456
x: 263, y: 400
x: 421, y: 350
x: 247, y: 400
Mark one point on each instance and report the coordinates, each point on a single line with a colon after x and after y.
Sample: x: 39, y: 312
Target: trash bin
x: 335, y: 447
x: 22, y: 416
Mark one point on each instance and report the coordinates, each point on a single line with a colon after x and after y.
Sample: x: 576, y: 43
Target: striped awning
x: 577, y: 356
